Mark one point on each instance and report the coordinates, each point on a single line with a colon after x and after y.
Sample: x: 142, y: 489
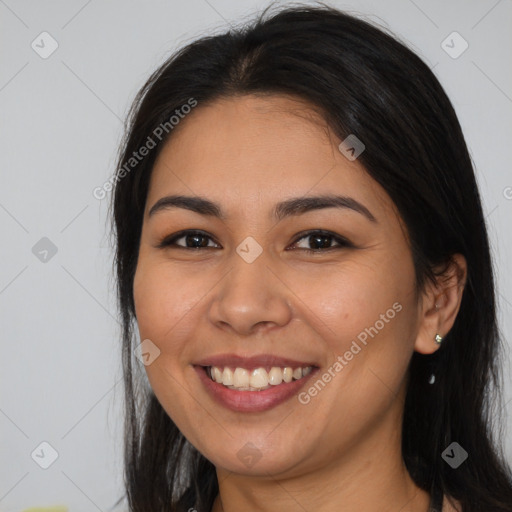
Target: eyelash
x: 170, y: 240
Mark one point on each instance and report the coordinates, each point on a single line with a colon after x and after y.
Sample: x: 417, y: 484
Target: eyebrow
x: 289, y: 207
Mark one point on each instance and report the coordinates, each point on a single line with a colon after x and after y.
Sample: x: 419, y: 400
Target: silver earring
x: 438, y: 339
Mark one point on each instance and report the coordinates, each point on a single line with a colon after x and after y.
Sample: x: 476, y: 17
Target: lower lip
x: 251, y: 401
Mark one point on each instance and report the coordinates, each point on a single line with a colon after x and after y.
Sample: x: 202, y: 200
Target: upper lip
x: 252, y: 362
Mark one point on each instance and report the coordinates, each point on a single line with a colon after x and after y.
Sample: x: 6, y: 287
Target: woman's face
x: 246, y: 287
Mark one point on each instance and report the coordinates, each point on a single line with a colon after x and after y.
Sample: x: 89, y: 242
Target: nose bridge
x: 250, y: 293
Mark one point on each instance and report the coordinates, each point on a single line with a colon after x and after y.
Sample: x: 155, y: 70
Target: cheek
x: 346, y: 299
x: 364, y: 314
x: 164, y: 305
x: 164, y: 301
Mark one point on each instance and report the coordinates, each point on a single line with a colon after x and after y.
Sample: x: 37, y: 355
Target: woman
x: 300, y: 240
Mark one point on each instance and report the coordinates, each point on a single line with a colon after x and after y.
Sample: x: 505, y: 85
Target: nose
x: 251, y: 298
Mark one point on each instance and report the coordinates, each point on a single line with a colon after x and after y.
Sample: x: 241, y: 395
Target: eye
x: 323, y: 240
x: 196, y: 239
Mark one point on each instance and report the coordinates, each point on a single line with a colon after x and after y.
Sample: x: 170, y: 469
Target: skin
x: 343, y: 447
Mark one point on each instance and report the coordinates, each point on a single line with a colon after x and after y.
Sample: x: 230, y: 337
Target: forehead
x: 257, y: 149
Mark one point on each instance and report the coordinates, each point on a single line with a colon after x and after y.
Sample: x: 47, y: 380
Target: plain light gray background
x: 60, y: 127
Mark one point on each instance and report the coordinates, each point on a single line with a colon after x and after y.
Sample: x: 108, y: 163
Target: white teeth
x: 240, y: 378
x: 227, y: 377
x: 275, y: 376
x: 217, y: 375
x: 257, y: 379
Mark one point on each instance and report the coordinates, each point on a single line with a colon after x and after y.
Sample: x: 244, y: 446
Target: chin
x: 250, y: 461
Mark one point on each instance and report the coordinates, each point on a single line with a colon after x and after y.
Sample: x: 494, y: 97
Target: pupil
x: 195, y: 237
x: 320, y: 237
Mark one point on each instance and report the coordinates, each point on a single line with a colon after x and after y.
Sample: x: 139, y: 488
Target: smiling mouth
x: 258, y: 379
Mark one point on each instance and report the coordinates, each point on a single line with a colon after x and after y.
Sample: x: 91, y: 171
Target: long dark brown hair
x: 367, y: 83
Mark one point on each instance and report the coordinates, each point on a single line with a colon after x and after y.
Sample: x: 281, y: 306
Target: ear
x: 447, y: 295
